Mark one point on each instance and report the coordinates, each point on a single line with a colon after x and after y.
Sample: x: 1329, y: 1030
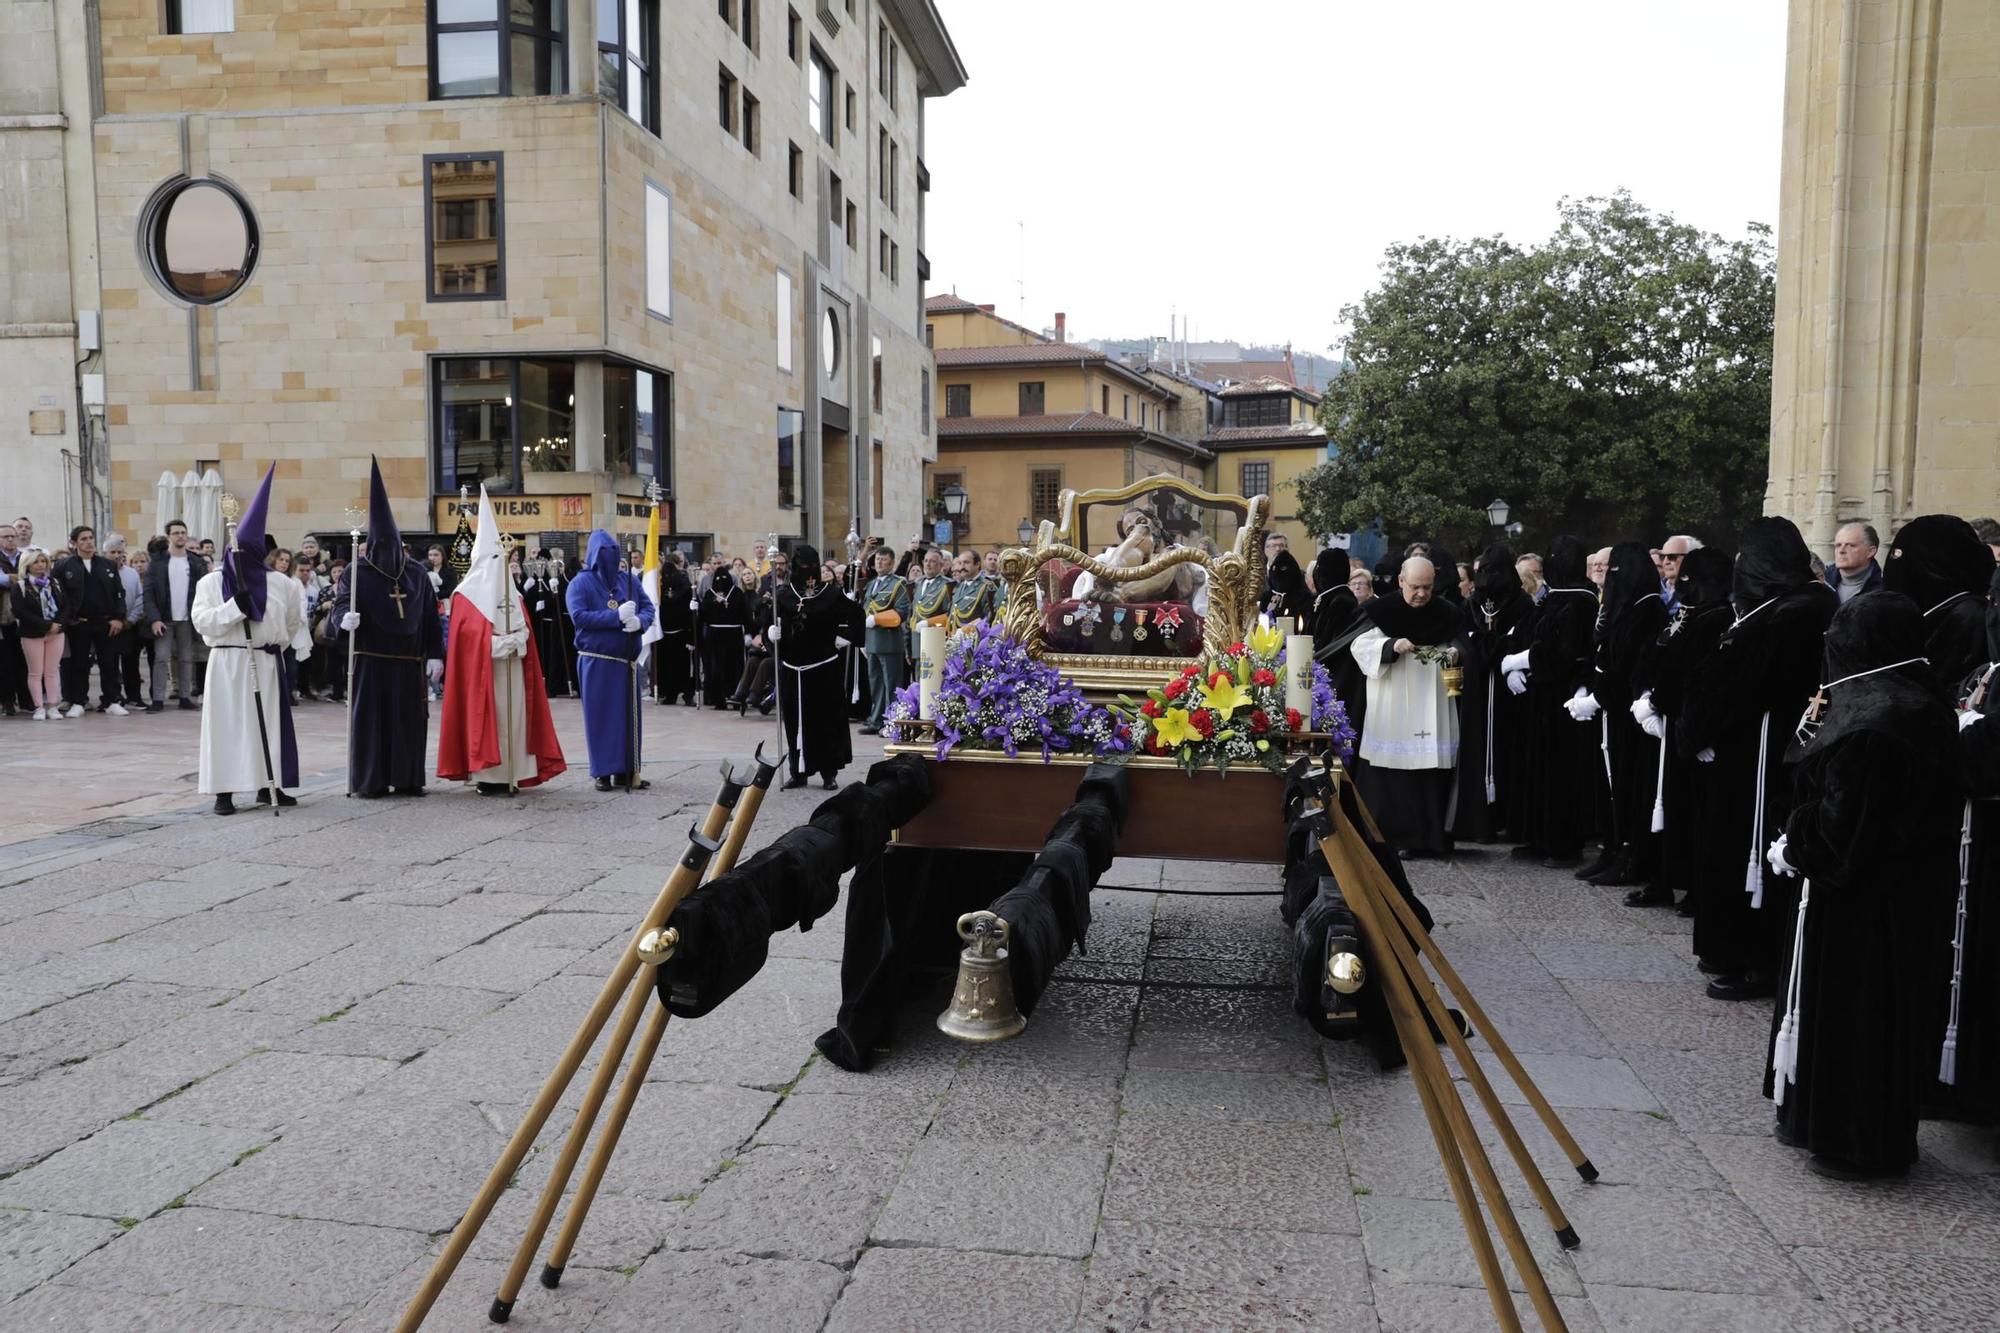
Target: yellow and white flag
x: 649, y: 579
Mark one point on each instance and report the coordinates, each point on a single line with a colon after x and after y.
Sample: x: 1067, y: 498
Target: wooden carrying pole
x: 1367, y: 890
x: 642, y: 1056
x: 702, y: 844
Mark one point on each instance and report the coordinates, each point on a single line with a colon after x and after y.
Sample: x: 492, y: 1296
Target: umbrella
x: 168, y: 501
x: 204, y: 513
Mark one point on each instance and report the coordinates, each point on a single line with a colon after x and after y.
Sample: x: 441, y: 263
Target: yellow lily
x: 1171, y: 726
x: 1266, y: 640
x: 1224, y: 698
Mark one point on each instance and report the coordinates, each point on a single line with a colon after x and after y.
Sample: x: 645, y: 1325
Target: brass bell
x: 982, y: 1004
x: 657, y: 945
x: 1345, y: 973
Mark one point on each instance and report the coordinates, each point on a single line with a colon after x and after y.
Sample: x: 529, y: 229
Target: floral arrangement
x: 1232, y: 710
x: 996, y: 697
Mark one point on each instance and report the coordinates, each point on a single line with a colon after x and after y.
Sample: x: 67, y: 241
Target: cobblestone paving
x: 251, y: 1070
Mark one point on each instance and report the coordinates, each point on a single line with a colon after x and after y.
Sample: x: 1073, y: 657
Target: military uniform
x: 930, y: 601
x: 887, y: 644
x: 977, y: 598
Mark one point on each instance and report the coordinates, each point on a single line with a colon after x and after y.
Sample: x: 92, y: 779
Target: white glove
x: 869, y: 620
x: 1705, y: 756
x: 1776, y: 856
x: 1583, y: 705
x: 694, y: 603
x: 839, y: 642
x: 510, y: 645
x: 435, y: 669
x: 631, y: 623
x: 1513, y: 662
x: 1517, y: 682
x: 1967, y: 718
x: 1655, y: 726
x: 748, y: 639
x: 1642, y: 708
x: 541, y: 606
x: 302, y: 654
x: 775, y: 633
x: 627, y: 610
x: 350, y: 622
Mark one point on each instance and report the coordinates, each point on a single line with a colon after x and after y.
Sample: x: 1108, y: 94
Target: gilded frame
x: 1235, y: 583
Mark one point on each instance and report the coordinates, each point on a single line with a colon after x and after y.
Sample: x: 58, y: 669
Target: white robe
x: 230, y: 761
x: 510, y: 700
x: 1412, y: 722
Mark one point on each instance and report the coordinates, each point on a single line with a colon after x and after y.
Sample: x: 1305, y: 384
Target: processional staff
x: 355, y: 515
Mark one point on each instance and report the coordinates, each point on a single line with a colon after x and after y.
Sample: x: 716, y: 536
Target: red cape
x: 469, y: 737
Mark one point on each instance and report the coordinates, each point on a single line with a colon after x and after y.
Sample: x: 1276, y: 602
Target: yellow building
x: 1270, y: 435
x: 564, y: 247
x: 1021, y: 418
x: 1885, y: 398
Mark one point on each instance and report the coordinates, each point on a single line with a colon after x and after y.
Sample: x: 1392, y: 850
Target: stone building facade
x: 1886, y: 372
x: 528, y: 244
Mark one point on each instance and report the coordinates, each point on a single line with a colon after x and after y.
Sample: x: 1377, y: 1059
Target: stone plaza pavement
x: 251, y: 1070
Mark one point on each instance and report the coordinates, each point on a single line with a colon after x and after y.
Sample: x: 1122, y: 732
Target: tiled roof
x: 1024, y: 354
x: 1300, y: 432
x: 1267, y: 384
x: 948, y: 303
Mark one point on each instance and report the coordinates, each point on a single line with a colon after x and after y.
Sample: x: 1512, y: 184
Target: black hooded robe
x: 1560, y: 750
x: 725, y: 617
x: 1635, y: 613
x: 1742, y: 707
x: 1939, y: 562
x: 553, y: 643
x: 1285, y: 595
x: 1491, y: 717
x: 1413, y: 806
x: 389, y: 714
x: 1337, y: 621
x: 812, y: 708
x: 1700, y: 615
x: 1873, y: 831
x: 673, y: 656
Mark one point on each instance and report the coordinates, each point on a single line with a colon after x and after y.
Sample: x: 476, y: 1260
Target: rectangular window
x: 475, y: 49
x: 475, y: 401
x: 958, y: 400
x: 784, y: 321
x: 853, y: 227
x: 790, y: 426
x: 500, y: 418
x: 548, y: 414
x: 637, y: 413
x: 725, y: 99
x: 1126, y: 411
x: 751, y: 133
x: 1032, y: 398
x: 875, y: 474
x: 895, y: 262
x: 892, y: 74
x: 895, y: 171
x: 927, y: 402
x: 930, y: 335
x: 748, y: 30
x: 882, y: 165
x: 1044, y: 493
x: 186, y: 17
x: 628, y: 49
x: 659, y: 252
x: 1255, y: 412
x: 794, y: 30
x: 466, y: 241
x: 882, y: 253
x: 648, y: 422
x: 850, y: 106
x: 726, y: 11
x: 795, y: 171
x: 882, y: 58
x: 1253, y: 478
x: 819, y: 96
x: 1104, y: 399
x: 875, y: 373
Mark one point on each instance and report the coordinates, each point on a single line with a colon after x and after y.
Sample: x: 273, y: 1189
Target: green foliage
x: 1613, y: 380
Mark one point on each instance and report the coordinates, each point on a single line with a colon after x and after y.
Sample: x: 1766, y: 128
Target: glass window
x: 875, y: 372
x: 784, y: 321
x: 875, y: 475
x: 958, y: 400
x: 790, y: 424
x: 853, y: 228
x: 829, y: 343
x: 795, y: 171
x: 201, y: 241
x: 1104, y: 399
x: 1032, y: 398
x: 470, y: 59
x: 793, y: 30
x: 466, y: 243
x: 621, y: 420
x: 476, y: 424
x: 882, y: 165
x: 926, y: 417
x: 895, y: 170
x: 659, y: 252
x: 628, y: 48
x: 751, y: 136
x: 1044, y: 493
x: 196, y: 16
x: 819, y: 97
x: 1126, y: 411
x: 850, y: 106
x: 548, y: 416
x: 1253, y: 478
x: 725, y: 99
x: 646, y: 423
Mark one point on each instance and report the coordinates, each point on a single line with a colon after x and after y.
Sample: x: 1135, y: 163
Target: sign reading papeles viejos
x: 528, y: 513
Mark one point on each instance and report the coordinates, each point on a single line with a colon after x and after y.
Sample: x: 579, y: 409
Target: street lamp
x: 1026, y: 532
x: 1496, y: 513
x: 954, y: 499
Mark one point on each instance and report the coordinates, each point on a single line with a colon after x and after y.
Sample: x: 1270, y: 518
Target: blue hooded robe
x: 610, y: 688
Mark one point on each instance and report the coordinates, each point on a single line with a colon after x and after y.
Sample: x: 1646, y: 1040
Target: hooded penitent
x: 1630, y: 579
x: 1876, y: 677
x: 1564, y: 565
x: 1496, y: 584
x: 1331, y: 568
x: 385, y: 539
x: 604, y: 649
x: 243, y: 571
x: 1287, y: 594
x: 1704, y: 578
x: 1771, y: 561
x: 1939, y: 562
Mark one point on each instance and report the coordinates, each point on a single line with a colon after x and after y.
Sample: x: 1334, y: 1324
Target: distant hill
x: 1311, y: 370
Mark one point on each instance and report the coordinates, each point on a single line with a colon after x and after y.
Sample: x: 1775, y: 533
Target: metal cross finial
x: 231, y: 506
x: 654, y: 491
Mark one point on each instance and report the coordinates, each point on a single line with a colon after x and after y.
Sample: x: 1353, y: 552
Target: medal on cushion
x: 1170, y: 621
x: 1087, y: 617
x: 1139, y: 630
x: 1118, y: 624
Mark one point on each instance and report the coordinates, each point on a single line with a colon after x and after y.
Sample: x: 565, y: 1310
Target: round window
x: 201, y: 241
x: 829, y: 343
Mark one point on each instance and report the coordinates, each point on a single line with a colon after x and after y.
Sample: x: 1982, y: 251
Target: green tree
x: 1614, y: 380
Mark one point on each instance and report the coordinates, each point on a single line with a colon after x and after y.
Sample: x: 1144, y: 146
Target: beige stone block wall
x: 996, y: 476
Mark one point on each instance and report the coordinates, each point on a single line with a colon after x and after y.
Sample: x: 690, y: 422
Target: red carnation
x: 1260, y: 721
x: 1203, y: 722
x: 1215, y: 681
x: 1292, y: 719
x: 1264, y: 676
x: 1149, y: 708
x: 1191, y: 670
x: 1175, y: 688
x: 1237, y: 650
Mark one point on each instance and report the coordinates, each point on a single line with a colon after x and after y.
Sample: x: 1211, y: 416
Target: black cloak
x: 1873, y: 831
x: 1337, y: 621
x: 1701, y: 613
x: 1974, y: 1094
x: 1500, y: 622
x: 1557, y: 815
x: 1435, y: 622
x: 1939, y: 562
x: 1634, y: 614
x: 1285, y: 592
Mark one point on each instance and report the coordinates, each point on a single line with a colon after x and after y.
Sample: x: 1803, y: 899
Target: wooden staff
x: 702, y: 844
x: 642, y: 1056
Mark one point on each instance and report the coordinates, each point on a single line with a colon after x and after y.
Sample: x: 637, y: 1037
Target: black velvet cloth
x: 726, y: 924
x: 1557, y: 779
x: 1939, y: 562
x: 1285, y: 594
x: 1635, y: 614
x: 1875, y: 831
x: 1701, y: 613
x: 1438, y: 621
x: 1337, y: 621
x: 1491, y: 718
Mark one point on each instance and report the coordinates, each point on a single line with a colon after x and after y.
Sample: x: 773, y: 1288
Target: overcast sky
x: 1248, y: 163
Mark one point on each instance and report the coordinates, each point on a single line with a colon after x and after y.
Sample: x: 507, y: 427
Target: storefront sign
x: 522, y: 513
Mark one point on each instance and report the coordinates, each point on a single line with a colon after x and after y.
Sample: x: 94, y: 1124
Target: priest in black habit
x: 1634, y: 614
x: 388, y: 608
x: 1742, y: 706
x: 1874, y: 832
x: 1701, y: 612
x: 1939, y: 563
x: 812, y: 618
x: 1409, y: 749
x: 1492, y: 713
x: 1337, y: 621
x: 674, y: 675
x: 1561, y: 751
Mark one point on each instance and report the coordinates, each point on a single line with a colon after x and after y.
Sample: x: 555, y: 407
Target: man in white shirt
x: 170, y: 584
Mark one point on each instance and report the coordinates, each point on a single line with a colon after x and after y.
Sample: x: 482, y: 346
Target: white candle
x: 1298, y: 677
x: 930, y: 669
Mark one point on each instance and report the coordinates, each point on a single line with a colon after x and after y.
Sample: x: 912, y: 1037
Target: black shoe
x: 368, y: 795
x: 264, y: 797
x: 764, y: 709
x: 225, y: 804
x: 871, y: 731
x: 604, y: 783
x: 1623, y: 873
x: 1706, y: 968
x: 827, y: 782
x: 629, y: 785
x: 151, y: 708
x: 1650, y: 896
x: 794, y: 782
x: 1525, y: 852
x: 1835, y: 1169
x: 1603, y: 863
x: 1563, y: 862
x: 410, y: 791
x: 494, y: 789
x: 1751, y: 985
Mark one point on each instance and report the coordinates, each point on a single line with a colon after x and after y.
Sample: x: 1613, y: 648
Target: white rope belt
x: 1785, y: 1049
x: 1753, y: 875
x: 1948, y: 1054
